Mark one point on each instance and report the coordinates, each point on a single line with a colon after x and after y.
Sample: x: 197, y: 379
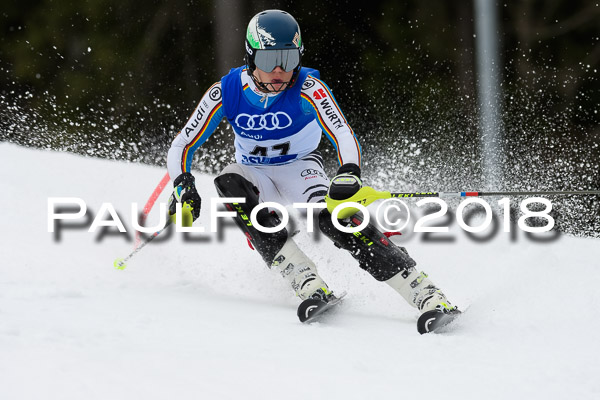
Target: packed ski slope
x: 206, y: 319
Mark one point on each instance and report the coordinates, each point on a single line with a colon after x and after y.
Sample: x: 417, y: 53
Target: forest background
x: 118, y: 79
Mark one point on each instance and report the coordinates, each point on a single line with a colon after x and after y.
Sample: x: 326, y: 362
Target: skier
x: 278, y: 111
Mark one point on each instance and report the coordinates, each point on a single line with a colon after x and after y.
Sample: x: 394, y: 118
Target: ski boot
x: 301, y: 273
x: 420, y: 292
x: 437, y: 311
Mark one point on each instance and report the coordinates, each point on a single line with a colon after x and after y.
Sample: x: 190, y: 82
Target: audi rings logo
x: 268, y: 121
x: 310, y: 171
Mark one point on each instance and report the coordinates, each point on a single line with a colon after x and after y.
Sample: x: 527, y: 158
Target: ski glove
x: 346, y: 183
x: 185, y: 193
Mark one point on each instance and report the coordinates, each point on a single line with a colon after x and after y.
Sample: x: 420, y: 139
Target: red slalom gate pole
x: 149, y: 204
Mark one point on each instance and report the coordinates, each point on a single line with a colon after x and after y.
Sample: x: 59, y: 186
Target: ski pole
x: 482, y: 194
x: 367, y: 195
x: 120, y: 263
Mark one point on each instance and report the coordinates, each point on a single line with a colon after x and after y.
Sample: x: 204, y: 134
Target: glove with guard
x: 346, y: 183
x: 184, y: 192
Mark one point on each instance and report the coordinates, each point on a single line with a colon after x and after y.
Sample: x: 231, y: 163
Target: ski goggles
x: 287, y: 59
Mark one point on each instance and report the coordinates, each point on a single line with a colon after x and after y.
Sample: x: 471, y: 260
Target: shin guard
x: 374, y: 252
x: 279, y: 252
x: 385, y: 261
x: 267, y: 244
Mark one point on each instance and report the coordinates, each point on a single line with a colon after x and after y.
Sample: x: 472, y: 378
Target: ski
x: 311, y: 310
x: 434, y: 320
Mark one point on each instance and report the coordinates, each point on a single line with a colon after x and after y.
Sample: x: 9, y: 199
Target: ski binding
x: 433, y: 320
x: 310, y: 310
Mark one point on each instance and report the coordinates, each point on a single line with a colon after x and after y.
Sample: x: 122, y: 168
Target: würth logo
x: 319, y: 94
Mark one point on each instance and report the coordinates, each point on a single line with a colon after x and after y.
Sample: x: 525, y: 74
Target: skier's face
x: 278, y: 78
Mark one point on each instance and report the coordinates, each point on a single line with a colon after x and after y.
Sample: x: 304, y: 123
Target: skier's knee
x: 233, y: 184
x: 240, y: 170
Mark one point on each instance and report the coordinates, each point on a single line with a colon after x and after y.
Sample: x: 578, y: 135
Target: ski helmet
x: 273, y: 40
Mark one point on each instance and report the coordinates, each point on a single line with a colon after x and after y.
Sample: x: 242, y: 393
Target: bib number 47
x: 283, y: 149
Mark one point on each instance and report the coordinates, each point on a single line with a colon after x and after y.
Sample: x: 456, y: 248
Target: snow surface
x: 207, y: 319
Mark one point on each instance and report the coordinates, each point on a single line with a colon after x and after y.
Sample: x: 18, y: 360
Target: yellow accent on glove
x: 187, y: 218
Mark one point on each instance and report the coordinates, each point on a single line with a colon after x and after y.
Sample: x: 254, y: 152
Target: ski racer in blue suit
x: 278, y: 111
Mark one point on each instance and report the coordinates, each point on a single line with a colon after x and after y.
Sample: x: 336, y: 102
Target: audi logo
x: 309, y: 171
x: 269, y: 121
